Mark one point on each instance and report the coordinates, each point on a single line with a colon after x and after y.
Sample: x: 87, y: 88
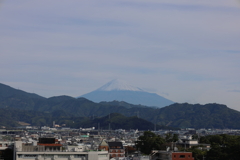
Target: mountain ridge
x: 7, y: 91
x: 66, y: 109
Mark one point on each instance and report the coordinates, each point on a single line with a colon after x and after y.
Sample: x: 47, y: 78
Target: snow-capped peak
x: 118, y: 85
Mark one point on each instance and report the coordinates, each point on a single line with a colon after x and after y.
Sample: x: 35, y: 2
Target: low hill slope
x: 10, y: 117
x: 118, y: 121
x: 199, y: 116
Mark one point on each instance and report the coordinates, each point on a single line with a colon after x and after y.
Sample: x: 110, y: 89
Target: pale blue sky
x: 186, y: 51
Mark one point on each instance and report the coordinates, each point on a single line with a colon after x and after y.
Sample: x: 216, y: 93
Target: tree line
x: 223, y: 147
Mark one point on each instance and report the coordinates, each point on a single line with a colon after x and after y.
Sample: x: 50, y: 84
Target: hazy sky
x: 186, y: 51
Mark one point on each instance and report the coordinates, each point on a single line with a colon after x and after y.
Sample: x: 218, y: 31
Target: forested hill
x: 176, y: 115
x: 199, y: 116
x: 10, y: 117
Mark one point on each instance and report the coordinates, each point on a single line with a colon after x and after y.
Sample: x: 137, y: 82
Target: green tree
x: 198, y: 154
x: 223, y: 147
x: 175, y: 138
x: 216, y: 153
x: 195, y: 136
x: 169, y: 137
x: 150, y: 141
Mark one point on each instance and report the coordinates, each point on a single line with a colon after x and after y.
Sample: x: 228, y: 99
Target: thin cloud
x: 238, y: 91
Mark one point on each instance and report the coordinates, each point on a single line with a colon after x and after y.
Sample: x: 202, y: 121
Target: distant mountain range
x: 118, y: 90
x: 17, y: 105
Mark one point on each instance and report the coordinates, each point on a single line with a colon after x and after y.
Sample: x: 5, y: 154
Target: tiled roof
x: 103, y: 143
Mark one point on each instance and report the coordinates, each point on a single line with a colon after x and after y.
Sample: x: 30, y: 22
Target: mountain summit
x: 121, y: 91
x: 118, y: 85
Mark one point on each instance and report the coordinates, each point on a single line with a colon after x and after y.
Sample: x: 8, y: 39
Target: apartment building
x: 49, y: 149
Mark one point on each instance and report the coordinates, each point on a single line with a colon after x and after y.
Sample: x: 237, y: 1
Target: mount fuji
x: 121, y: 91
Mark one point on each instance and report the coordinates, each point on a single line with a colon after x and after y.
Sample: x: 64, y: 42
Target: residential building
x: 50, y: 149
x: 116, y: 149
x: 103, y: 146
x: 170, y: 155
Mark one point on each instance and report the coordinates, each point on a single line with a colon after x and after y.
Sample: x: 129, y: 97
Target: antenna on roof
x: 175, y: 149
x: 168, y: 148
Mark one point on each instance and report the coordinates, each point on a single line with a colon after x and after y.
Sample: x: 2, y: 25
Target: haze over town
x: 185, y: 51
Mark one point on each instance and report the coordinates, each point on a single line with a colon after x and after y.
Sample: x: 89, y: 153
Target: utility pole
x: 155, y: 125
x: 137, y: 114
x: 98, y: 128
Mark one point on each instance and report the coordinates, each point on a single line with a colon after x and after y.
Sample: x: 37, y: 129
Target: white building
x: 40, y: 153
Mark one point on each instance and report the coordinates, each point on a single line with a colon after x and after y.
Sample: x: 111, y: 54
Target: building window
x: 30, y: 156
x: 63, y: 156
x: 78, y: 155
x: 48, y: 155
x: 182, y: 156
x: 20, y: 156
x: 102, y: 155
